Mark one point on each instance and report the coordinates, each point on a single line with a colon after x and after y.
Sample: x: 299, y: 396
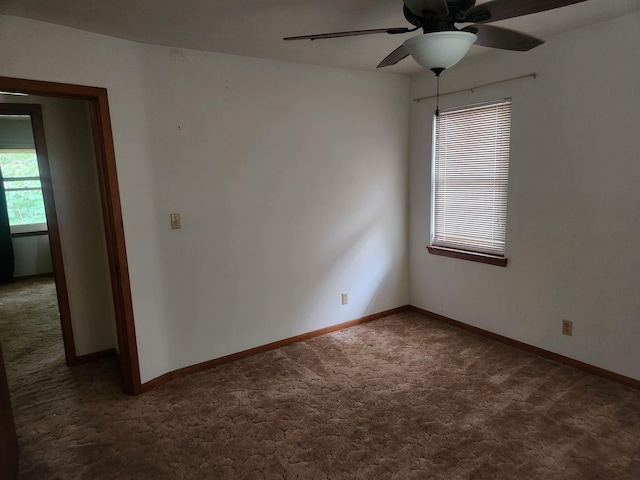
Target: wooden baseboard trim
x: 34, y: 276
x: 601, y: 372
x: 156, y: 382
x: 92, y: 357
x: 151, y: 384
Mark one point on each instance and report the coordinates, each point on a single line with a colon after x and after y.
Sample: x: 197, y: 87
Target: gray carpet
x: 404, y: 397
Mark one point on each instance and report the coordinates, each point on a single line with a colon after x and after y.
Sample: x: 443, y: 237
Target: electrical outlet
x: 567, y: 327
x: 345, y: 298
x: 175, y: 221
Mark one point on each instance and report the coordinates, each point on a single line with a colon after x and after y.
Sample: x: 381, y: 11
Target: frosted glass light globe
x: 440, y: 49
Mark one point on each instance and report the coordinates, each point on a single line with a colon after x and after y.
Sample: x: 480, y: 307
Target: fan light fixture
x: 443, y: 45
x: 440, y: 50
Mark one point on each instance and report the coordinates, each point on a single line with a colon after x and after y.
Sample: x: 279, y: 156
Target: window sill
x: 32, y: 233
x: 29, y: 229
x: 471, y: 256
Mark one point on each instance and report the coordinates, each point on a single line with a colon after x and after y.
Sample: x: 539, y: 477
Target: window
x: 470, y: 174
x: 23, y: 190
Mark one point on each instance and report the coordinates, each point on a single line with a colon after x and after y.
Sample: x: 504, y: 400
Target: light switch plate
x: 175, y: 221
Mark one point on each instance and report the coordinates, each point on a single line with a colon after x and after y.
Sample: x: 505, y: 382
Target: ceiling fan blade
x: 498, y: 37
x: 352, y: 33
x: 502, y: 9
x: 394, y: 57
x: 422, y: 8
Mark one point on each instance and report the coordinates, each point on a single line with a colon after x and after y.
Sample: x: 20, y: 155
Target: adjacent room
x: 258, y: 239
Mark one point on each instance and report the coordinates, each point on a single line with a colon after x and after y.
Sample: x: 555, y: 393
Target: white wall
x: 291, y: 181
x: 573, y: 226
x: 74, y: 176
x: 32, y: 255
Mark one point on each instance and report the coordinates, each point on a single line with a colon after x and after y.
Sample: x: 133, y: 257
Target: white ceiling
x: 255, y: 28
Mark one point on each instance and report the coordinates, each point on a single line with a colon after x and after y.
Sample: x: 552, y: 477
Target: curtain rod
x: 473, y: 89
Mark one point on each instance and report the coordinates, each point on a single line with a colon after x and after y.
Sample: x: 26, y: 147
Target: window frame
x: 27, y: 229
x: 450, y: 251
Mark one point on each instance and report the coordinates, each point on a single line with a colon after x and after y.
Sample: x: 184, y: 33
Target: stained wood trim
x: 471, y: 256
x: 8, y: 437
x: 52, y: 89
x: 264, y: 348
x: 92, y: 357
x: 59, y: 275
x: 114, y: 230
x: 601, y: 372
x: 37, y: 126
x: 110, y: 196
x: 34, y: 276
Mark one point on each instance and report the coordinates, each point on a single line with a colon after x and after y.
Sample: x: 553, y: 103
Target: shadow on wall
x: 360, y: 256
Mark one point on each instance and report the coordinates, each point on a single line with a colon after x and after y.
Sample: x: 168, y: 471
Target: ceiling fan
x: 442, y: 44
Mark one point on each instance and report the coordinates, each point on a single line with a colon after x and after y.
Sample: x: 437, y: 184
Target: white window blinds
x: 471, y: 167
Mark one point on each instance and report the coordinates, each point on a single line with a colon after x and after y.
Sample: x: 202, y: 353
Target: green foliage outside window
x: 23, y: 189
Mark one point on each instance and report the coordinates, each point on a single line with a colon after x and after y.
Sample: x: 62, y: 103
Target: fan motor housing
x: 432, y: 23
x: 460, y: 5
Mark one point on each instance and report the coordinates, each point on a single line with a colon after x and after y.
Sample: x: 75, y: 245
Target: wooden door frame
x: 8, y: 438
x: 112, y: 212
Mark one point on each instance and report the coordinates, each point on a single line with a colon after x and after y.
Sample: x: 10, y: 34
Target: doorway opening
x: 30, y: 205
x: 112, y: 221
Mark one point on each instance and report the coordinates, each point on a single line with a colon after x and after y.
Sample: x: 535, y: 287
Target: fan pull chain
x: 437, y: 71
